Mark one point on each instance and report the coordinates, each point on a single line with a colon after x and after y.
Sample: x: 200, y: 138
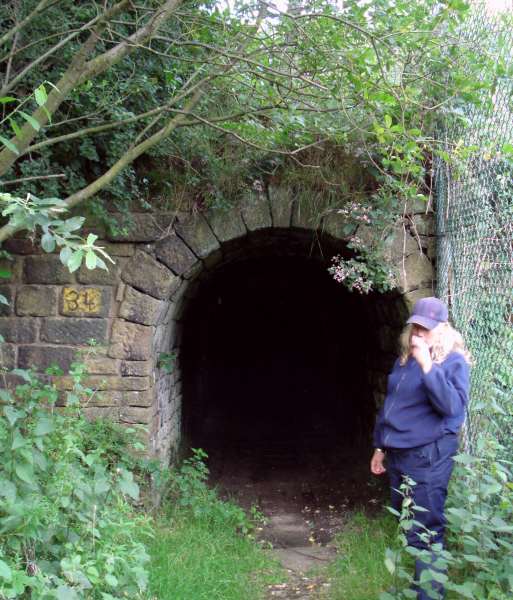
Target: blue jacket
x: 421, y: 407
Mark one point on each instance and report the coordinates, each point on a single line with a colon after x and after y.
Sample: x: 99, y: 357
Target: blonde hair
x: 447, y: 340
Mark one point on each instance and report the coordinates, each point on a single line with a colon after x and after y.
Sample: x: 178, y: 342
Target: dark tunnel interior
x: 274, y: 361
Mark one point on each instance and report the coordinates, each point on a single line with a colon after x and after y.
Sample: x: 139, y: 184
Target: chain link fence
x: 475, y: 235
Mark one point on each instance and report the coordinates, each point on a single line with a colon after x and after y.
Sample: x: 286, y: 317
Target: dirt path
x: 306, y: 496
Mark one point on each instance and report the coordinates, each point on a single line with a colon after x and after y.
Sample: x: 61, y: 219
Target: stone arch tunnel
x: 278, y: 361
x: 236, y: 300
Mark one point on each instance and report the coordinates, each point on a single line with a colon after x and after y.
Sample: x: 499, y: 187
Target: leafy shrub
x: 478, y: 562
x: 187, y: 490
x: 67, y: 527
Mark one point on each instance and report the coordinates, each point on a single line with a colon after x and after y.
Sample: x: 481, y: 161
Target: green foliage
x: 187, y: 488
x: 479, y: 555
x: 43, y: 214
x: 480, y: 523
x: 203, y: 547
x: 357, y: 572
x: 373, y: 78
x: 166, y: 361
x: 67, y: 526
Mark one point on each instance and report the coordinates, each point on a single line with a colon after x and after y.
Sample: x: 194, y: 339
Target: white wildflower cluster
x: 356, y: 211
x: 351, y: 273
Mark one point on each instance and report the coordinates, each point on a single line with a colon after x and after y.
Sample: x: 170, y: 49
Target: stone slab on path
x: 302, y: 559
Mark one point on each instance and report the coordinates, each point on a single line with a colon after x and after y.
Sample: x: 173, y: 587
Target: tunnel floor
x: 320, y: 486
x: 276, y: 392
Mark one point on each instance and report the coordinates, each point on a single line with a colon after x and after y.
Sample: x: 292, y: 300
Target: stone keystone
x: 255, y: 211
x: 148, y: 275
x: 281, y: 200
x: 226, y: 224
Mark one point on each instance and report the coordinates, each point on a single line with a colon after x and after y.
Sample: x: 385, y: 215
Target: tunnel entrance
x: 276, y: 350
x: 278, y: 389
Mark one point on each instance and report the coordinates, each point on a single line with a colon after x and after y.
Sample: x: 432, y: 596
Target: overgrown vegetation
x: 358, y: 572
x: 68, y: 526
x: 204, y: 548
x: 74, y: 525
x: 207, y: 102
x: 478, y: 560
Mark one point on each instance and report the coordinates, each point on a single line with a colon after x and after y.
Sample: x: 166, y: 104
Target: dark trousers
x: 430, y: 466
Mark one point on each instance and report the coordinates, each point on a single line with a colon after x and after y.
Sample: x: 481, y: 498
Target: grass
x: 202, y: 559
x: 358, y: 572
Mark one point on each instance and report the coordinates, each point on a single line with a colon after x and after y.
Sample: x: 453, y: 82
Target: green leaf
x: 3, y: 300
x: 11, y: 414
x: 76, y: 260
x: 8, y: 490
x: 101, y: 264
x: 388, y: 121
x: 507, y: 149
x: 90, y: 260
x: 63, y: 592
x: 48, y: 242
x: 111, y: 580
x: 6, y: 99
x: 390, y: 565
x: 91, y: 239
x: 25, y: 472
x: 18, y: 441
x: 23, y: 373
x: 10, y: 523
x: 41, y: 95
x: 30, y: 120
x: 65, y: 255
x: 128, y: 486
x: 5, y: 571
x: 6, y: 396
x: 5, y: 274
x: 9, y: 145
x: 15, y: 127
x: 45, y: 425
x: 74, y: 223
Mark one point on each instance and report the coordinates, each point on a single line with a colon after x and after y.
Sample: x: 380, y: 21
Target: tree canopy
x: 120, y: 99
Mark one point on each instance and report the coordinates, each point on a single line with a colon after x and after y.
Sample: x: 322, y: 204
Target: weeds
x: 358, y: 572
x: 203, y: 548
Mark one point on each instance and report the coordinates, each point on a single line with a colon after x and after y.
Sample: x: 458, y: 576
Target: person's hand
x: 376, y: 465
x: 420, y: 352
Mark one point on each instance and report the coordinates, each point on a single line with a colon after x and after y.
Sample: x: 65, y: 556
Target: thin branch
x: 33, y: 178
x: 11, y: 55
x: 39, y: 8
x: 79, y: 71
x: 128, y: 158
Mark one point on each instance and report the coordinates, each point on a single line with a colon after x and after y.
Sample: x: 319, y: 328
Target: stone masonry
x: 134, y: 311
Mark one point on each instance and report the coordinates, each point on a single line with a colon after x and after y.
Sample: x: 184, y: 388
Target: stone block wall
x: 134, y: 312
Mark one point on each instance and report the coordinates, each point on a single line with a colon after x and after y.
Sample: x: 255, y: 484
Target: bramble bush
x: 68, y: 527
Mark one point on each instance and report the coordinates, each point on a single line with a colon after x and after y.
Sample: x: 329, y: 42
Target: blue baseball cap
x: 429, y: 312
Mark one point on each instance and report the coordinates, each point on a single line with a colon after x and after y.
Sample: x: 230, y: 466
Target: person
x: 416, y: 431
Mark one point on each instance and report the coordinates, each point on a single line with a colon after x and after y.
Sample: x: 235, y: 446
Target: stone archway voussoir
x: 175, y: 254
x: 226, y: 225
x: 256, y: 211
x: 196, y: 233
x: 148, y: 275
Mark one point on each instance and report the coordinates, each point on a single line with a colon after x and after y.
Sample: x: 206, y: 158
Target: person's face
x: 428, y: 335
